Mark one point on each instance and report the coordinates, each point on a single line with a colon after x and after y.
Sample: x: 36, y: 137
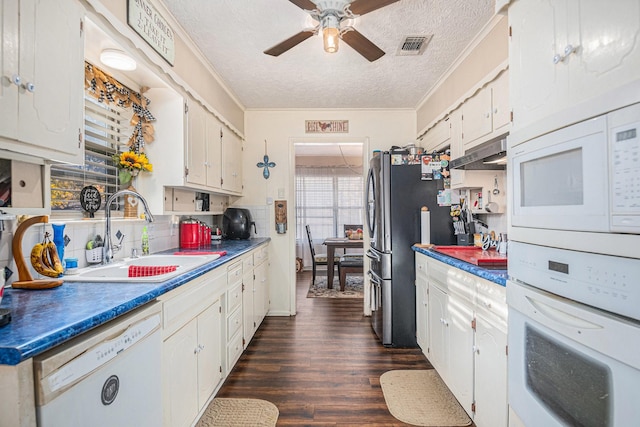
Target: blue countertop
x: 496, y: 276
x: 43, y: 319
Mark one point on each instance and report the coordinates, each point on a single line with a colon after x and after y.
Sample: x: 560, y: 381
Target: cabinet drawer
x: 234, y: 350
x: 261, y: 255
x: 492, y: 298
x: 421, y: 264
x: 234, y: 322
x: 438, y: 274
x: 180, y: 309
x: 234, y: 273
x: 234, y: 297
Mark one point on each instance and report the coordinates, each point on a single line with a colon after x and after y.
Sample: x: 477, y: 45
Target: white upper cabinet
x: 231, y: 161
x: 203, y: 147
x: 487, y: 114
x: 438, y: 137
x: 41, y: 90
x: 567, y: 52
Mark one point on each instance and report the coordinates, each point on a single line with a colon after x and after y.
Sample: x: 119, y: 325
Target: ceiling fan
x: 330, y: 15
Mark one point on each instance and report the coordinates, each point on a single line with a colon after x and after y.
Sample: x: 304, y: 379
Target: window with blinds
x: 327, y: 198
x: 106, y: 127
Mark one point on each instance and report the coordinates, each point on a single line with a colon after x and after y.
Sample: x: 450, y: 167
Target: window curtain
x: 327, y: 198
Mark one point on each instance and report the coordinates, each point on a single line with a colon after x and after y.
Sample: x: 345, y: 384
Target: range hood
x: 491, y: 155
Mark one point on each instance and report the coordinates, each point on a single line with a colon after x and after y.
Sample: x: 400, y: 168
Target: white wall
x: 377, y: 129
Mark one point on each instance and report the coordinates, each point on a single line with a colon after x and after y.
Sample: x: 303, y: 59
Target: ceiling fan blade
x: 360, y: 7
x: 304, y: 4
x: 362, y: 45
x: 284, y: 46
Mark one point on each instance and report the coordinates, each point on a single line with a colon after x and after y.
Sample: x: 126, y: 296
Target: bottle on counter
x: 145, y: 241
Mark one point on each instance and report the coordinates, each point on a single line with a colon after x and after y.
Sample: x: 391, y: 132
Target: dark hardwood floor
x: 320, y: 367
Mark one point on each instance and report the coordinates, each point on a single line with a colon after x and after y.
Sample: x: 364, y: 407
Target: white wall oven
x: 574, y: 337
x: 582, y: 178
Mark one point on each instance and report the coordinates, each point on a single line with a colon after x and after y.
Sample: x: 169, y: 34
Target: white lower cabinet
x: 255, y: 297
x: 490, y: 371
x: 466, y: 320
x: 422, y: 304
x: 192, y: 356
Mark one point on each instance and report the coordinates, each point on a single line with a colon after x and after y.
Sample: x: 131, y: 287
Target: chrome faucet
x: 107, y: 252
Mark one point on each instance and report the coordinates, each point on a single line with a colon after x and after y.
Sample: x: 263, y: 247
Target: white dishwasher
x: 110, y: 376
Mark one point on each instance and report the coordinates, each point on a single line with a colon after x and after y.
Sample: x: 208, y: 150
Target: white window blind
x: 327, y: 198
x: 106, y: 127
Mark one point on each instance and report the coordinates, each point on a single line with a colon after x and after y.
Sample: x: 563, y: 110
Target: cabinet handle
x: 29, y: 87
x: 487, y: 115
x: 487, y: 304
x: 15, y: 79
x: 557, y: 58
x: 568, y: 50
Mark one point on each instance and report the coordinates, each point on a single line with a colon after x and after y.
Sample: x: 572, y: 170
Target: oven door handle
x: 561, y: 316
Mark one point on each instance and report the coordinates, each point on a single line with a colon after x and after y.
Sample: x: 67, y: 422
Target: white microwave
x: 584, y: 177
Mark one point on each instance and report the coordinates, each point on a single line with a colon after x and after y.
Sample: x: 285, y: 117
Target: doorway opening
x: 329, y: 194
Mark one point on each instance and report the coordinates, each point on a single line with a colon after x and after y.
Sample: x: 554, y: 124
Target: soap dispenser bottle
x: 145, y: 241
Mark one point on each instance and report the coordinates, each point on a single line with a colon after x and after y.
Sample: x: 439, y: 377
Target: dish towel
x: 150, y: 270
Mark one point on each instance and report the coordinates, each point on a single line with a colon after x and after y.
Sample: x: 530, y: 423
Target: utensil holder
x: 94, y: 256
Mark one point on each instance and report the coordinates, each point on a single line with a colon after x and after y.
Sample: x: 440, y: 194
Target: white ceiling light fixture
x: 117, y: 59
x: 330, y: 33
x: 334, y: 18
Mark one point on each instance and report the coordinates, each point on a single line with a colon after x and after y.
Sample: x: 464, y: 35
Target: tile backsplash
x: 163, y: 235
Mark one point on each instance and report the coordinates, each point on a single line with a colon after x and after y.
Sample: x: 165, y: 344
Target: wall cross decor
x: 265, y: 163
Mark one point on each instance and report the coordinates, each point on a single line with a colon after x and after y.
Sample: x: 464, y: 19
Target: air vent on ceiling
x: 413, y: 45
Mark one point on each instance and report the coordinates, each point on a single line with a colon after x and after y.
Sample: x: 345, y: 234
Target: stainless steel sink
x: 119, y: 271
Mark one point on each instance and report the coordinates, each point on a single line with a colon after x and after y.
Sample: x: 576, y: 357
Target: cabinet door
x: 260, y: 297
x: 422, y: 309
x: 214, y: 152
x: 9, y: 67
x: 459, y: 376
x: 605, y: 35
x: 476, y: 117
x: 51, y: 112
x: 438, y: 330
x: 180, y: 376
x: 490, y: 373
x: 501, y: 110
x: 231, y: 161
x: 209, y: 352
x: 438, y: 137
x: 248, y: 315
x: 196, y: 144
x: 538, y: 34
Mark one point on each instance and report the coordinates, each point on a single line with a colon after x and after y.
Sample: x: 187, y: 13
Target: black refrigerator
x: 395, y: 194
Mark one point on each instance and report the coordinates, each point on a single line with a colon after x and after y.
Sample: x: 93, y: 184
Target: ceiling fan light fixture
x: 330, y: 33
x: 117, y: 59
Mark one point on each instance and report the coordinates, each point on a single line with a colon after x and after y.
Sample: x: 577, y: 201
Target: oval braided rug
x: 239, y: 412
x: 421, y: 398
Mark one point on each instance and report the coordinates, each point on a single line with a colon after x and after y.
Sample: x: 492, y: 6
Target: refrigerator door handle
x: 375, y: 279
x: 372, y: 255
x: 370, y: 210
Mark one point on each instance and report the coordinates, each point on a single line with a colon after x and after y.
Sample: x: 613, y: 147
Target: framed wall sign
x: 326, y: 126
x: 143, y: 17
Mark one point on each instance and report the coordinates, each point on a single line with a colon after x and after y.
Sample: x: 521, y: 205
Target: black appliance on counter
x: 236, y: 224
x: 395, y: 193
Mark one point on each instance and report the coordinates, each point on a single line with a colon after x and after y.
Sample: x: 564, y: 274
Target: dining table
x: 338, y: 242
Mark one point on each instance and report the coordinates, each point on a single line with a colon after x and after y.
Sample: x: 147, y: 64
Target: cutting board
x: 474, y: 255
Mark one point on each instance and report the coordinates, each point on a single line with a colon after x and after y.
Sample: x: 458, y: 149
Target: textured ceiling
x: 233, y: 34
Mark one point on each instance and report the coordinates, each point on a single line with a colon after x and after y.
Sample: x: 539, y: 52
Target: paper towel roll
x: 425, y: 226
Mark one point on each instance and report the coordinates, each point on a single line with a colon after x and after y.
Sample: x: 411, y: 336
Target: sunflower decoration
x: 130, y: 164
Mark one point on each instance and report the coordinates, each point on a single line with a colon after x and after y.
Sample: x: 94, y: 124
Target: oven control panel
x: 601, y: 281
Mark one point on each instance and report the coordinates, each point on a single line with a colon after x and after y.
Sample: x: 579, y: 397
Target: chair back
x: 313, y: 252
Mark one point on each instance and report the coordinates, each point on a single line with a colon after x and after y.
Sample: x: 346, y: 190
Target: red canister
x: 190, y: 234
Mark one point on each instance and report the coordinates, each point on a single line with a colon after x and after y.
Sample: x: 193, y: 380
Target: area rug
x: 421, y: 398
x: 239, y: 412
x: 354, y: 288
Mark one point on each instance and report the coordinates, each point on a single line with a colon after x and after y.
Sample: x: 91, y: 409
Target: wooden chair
x: 317, y: 259
x: 349, y: 264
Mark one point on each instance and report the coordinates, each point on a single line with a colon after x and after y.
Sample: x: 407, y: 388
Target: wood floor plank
x: 321, y: 367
